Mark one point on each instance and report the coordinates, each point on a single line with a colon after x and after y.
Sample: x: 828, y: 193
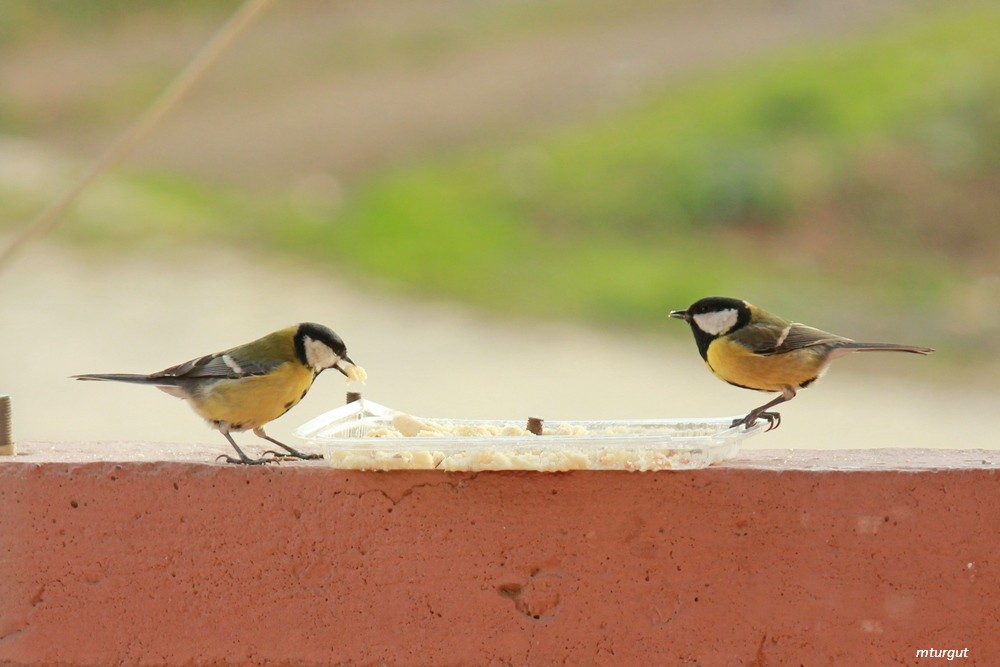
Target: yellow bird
x: 245, y: 387
x: 749, y: 347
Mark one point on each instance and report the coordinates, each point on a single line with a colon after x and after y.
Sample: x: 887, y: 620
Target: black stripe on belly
x: 735, y: 384
x: 743, y: 386
x: 801, y: 386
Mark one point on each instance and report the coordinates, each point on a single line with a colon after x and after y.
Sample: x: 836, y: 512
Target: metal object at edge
x: 7, y: 446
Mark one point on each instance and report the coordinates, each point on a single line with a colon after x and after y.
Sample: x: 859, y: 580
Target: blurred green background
x: 599, y: 160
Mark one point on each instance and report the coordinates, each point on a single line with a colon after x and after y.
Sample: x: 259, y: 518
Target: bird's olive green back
x: 279, y: 345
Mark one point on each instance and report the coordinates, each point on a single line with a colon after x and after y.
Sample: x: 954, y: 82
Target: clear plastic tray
x: 361, y: 436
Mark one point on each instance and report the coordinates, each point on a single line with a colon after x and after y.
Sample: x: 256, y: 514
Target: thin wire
x: 179, y: 88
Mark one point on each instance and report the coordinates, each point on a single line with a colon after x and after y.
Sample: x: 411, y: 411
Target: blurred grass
x: 869, y: 165
x: 864, y: 174
x: 389, y: 32
x: 22, y: 18
x: 354, y: 39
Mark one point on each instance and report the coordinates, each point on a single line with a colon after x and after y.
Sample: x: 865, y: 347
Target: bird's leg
x: 773, y: 419
x: 291, y: 451
x: 244, y: 459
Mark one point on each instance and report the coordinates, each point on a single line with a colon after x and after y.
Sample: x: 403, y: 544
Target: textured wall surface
x: 778, y: 558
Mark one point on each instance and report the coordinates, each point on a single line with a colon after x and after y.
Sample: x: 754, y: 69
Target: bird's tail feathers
x: 120, y: 377
x: 884, y: 347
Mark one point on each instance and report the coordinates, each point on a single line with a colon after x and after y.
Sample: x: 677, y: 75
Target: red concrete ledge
x: 779, y: 558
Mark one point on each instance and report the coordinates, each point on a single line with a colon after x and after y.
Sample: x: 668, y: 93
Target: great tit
x: 751, y: 348
x: 247, y: 386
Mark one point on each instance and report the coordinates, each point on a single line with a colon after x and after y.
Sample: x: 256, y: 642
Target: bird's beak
x: 681, y: 315
x: 351, y: 370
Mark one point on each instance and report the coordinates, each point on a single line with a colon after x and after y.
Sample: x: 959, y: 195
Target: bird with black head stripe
x: 749, y: 347
x: 245, y: 387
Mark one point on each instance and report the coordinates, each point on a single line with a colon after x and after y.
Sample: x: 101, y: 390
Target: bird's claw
x: 773, y: 420
x: 289, y: 456
x: 247, y: 461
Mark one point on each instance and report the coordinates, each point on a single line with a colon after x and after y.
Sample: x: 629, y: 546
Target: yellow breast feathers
x: 738, y: 365
x: 253, y: 401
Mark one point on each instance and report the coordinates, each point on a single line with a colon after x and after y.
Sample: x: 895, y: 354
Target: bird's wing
x: 795, y: 336
x: 221, y: 365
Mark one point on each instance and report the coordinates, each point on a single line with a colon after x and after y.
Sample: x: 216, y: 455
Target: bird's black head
x: 318, y: 347
x: 712, y: 317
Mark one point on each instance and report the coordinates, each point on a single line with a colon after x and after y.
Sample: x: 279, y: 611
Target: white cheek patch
x: 717, y: 322
x: 319, y: 355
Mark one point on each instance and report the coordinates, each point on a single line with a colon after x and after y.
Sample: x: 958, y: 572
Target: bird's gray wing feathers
x: 222, y: 366
x: 795, y: 336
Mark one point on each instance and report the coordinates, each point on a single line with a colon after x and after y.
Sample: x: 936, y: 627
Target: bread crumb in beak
x: 353, y: 372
